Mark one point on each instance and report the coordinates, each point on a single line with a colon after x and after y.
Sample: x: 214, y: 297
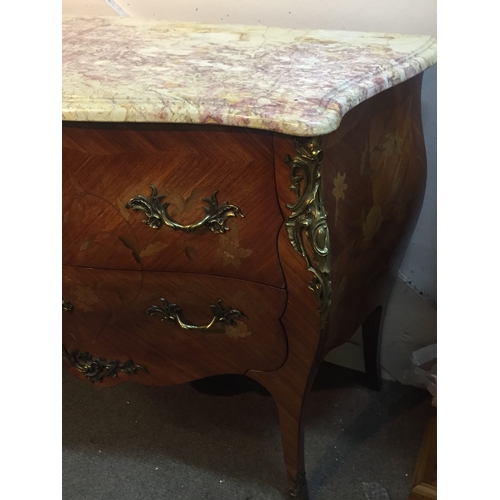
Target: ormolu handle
x: 95, y: 369
x: 170, y: 313
x: 156, y: 212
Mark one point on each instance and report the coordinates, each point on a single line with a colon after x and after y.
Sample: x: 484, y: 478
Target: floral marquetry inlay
x: 238, y: 330
x: 340, y: 186
x: 86, y: 298
x: 230, y: 251
x: 339, y: 192
x: 393, y: 145
x: 371, y: 223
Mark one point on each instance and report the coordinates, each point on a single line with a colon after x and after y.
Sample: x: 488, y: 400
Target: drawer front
x: 207, y: 195
x: 177, y: 327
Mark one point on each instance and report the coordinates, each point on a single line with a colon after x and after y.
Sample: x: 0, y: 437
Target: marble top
x: 298, y: 82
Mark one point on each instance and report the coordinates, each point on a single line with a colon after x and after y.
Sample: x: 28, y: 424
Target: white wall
x: 411, y: 316
x: 399, y: 16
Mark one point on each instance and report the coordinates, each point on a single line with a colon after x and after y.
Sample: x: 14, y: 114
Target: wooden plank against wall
x: 425, y: 479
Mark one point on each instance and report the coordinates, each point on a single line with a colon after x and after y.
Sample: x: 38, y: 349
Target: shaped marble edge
x: 296, y: 82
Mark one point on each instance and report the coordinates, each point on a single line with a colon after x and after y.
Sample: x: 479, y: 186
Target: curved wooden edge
x: 374, y: 174
x: 381, y: 147
x: 290, y: 383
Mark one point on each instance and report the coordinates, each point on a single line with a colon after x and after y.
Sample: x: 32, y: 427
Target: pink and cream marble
x: 298, y: 82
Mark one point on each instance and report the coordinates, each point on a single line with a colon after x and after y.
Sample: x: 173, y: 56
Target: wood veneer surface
x: 372, y: 183
x: 106, y: 165
x: 109, y: 321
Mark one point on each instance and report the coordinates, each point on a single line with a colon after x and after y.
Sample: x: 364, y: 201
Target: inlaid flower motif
x: 76, y: 212
x: 338, y: 192
x: 91, y: 239
x: 393, y: 145
x: 123, y: 209
x: 339, y: 186
x: 153, y: 249
x: 229, y: 250
x: 86, y: 298
x: 238, y: 330
x: 372, y: 223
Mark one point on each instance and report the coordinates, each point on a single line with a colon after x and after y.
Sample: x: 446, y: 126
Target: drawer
x: 197, y: 169
x: 144, y: 319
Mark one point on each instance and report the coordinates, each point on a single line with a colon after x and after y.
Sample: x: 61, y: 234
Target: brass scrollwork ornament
x: 308, y: 216
x: 157, y: 213
x: 170, y: 313
x: 67, y: 306
x: 95, y: 369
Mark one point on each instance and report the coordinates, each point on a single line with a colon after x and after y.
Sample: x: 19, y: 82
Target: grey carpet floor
x: 219, y: 440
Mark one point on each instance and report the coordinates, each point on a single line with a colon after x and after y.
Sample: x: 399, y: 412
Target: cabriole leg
x: 371, y: 348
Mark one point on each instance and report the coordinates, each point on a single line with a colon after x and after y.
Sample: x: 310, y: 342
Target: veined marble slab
x: 298, y: 82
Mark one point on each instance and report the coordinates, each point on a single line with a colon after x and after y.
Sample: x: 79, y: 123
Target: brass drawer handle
x: 156, y: 212
x: 170, y: 313
x: 95, y: 369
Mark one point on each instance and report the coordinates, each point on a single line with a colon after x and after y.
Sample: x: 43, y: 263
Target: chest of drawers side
x: 350, y: 200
